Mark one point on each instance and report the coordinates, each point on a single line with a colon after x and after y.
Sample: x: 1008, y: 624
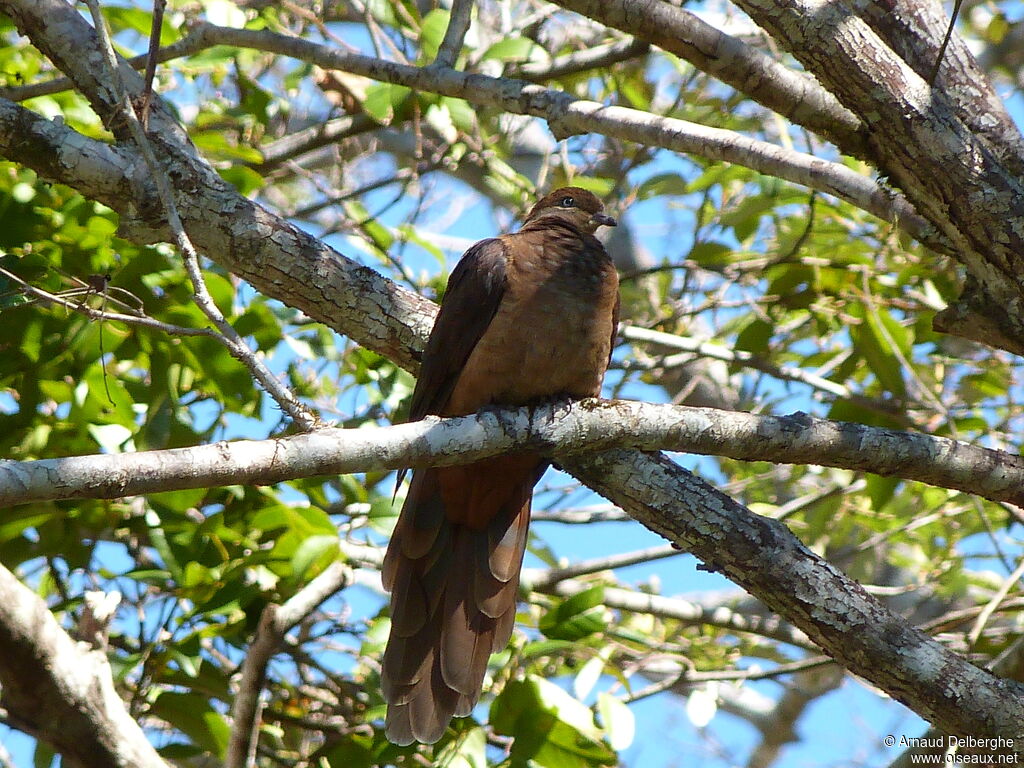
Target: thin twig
x: 458, y: 26
x: 609, y: 563
x: 801, y: 503
x: 720, y: 352
x: 951, y: 619
x: 599, y: 514
x: 688, y: 676
x: 95, y: 314
x: 945, y: 42
x: 201, y: 295
x: 599, y: 57
x: 275, y: 621
x: 991, y: 605
x: 154, y: 48
x: 677, y: 608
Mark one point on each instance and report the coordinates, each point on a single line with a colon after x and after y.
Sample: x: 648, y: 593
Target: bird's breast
x: 551, y: 335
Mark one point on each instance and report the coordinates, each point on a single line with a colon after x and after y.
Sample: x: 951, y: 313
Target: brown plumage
x: 527, y: 317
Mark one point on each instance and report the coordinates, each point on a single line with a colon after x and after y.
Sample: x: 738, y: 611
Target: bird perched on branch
x: 527, y: 318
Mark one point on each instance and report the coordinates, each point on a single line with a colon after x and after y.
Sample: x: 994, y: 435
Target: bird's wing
x: 475, y: 290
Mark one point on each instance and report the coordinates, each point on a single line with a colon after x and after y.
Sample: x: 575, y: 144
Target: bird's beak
x: 603, y: 219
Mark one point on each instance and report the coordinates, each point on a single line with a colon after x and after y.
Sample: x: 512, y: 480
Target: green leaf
x: 140, y: 21
x: 745, y: 218
x: 587, y: 677
x: 312, y: 550
x: 577, y: 617
x: 187, y: 663
x: 618, y: 721
x: 300, y: 347
x: 215, y: 144
x: 550, y: 727
x: 662, y: 184
x: 383, y: 100
x: 543, y: 648
x: 599, y: 185
x: 305, y: 521
x: 242, y: 178
x: 466, y: 750
x: 409, y: 232
x: 877, y: 350
x: 510, y: 49
x: 110, y: 437
x: 19, y: 519
x: 755, y: 337
x: 881, y: 490
x: 42, y: 756
x: 432, y: 33
x: 463, y: 113
x: 193, y: 715
x: 379, y: 235
x: 975, y: 387
x: 997, y: 28
x: 353, y: 750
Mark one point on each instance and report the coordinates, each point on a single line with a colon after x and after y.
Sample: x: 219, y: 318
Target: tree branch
x: 187, y: 46
x: 227, y: 335
x: 547, y: 579
x: 60, y: 691
x: 275, y: 622
x: 568, y: 116
x: 792, y: 94
x: 458, y: 26
x: 274, y: 256
x: 674, y: 608
x: 599, y: 57
x: 967, y: 183
x: 765, y: 558
x: 562, y: 431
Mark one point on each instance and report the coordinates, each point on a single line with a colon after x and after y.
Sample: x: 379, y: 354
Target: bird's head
x: 574, y: 205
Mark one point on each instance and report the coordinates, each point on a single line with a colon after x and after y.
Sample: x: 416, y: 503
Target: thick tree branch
x: 271, y: 254
x: 567, y: 116
x: 795, y: 95
x: 966, y: 182
x: 563, y: 431
x: 56, y: 152
x: 914, y: 29
x: 61, y: 691
x: 762, y: 556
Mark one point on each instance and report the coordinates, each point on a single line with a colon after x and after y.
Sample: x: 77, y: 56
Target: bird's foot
x: 500, y: 413
x: 553, y: 404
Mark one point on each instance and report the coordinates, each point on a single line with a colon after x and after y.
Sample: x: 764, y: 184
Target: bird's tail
x: 452, y: 568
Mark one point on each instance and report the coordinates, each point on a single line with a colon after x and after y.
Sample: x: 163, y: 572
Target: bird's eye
x: 568, y: 202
